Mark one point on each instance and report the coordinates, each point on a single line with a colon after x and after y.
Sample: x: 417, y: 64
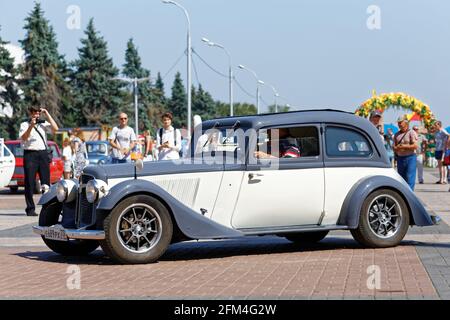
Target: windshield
x: 97, y: 148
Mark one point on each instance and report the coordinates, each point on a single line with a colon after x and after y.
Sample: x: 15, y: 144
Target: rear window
x: 344, y: 142
x: 96, y: 148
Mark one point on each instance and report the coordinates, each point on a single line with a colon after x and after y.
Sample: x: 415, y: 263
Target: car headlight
x: 66, y: 190
x: 95, y: 190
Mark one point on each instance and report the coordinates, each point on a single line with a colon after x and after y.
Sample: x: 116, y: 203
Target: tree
x: 240, y: 109
x: 9, y: 95
x: 203, y: 104
x: 133, y: 69
x: 280, y: 108
x: 45, y: 69
x: 178, y: 102
x: 96, y: 93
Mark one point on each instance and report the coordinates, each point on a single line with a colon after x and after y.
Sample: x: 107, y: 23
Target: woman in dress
x: 80, y: 152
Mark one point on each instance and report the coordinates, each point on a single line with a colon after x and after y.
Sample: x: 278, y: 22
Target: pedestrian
x: 67, y: 158
x: 149, y: 150
x: 168, y: 139
x: 123, y: 140
x: 441, y: 138
x: 37, y: 155
x: 80, y: 153
x: 405, y: 145
x: 376, y: 119
x: 389, y: 146
x: 420, y: 153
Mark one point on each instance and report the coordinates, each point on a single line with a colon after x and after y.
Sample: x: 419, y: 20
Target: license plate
x: 13, y: 183
x: 55, y: 233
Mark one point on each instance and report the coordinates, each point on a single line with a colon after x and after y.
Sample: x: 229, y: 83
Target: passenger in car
x: 288, y: 147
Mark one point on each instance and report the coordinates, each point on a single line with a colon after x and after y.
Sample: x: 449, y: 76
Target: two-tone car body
x: 237, y: 183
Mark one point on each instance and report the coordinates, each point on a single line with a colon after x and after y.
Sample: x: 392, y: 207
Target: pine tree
x: 203, y: 104
x: 178, y: 102
x: 96, y: 93
x: 9, y: 94
x: 44, y: 69
x: 133, y: 69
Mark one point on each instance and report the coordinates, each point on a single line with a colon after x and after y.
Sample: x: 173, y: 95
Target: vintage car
x: 98, y: 152
x: 336, y: 177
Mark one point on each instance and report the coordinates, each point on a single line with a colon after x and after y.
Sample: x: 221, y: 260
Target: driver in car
x: 288, y: 147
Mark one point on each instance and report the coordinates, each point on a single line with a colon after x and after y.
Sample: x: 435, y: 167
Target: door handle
x: 253, y: 175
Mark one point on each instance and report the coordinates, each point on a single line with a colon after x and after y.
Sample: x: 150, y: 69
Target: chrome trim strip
x: 76, y: 234
x: 290, y: 229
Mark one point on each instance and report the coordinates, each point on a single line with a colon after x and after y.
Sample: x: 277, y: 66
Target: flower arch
x: 400, y: 101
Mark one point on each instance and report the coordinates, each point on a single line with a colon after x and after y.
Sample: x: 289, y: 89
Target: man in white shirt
x: 33, y: 134
x: 122, y: 139
x: 168, y: 139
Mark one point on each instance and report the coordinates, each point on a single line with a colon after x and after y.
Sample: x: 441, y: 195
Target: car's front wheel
x: 383, y: 221
x: 307, y: 237
x: 51, y: 215
x: 138, y: 230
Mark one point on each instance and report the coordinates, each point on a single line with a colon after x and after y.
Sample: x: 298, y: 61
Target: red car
x: 17, y: 180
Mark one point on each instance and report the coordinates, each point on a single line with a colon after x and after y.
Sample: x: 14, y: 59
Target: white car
x: 297, y: 175
x: 7, y: 164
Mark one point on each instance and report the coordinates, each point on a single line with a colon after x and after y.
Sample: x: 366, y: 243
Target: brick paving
x: 249, y: 268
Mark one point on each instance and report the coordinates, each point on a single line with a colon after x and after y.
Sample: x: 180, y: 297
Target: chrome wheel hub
x: 139, y: 228
x: 384, y: 216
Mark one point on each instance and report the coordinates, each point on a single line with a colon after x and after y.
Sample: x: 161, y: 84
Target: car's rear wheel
x: 307, y: 237
x: 138, y: 230
x: 383, y: 221
x: 50, y: 215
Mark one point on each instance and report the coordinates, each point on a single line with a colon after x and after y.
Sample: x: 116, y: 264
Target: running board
x: 290, y: 229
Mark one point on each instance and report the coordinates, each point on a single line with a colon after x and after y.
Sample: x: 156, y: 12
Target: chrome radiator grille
x: 85, y: 211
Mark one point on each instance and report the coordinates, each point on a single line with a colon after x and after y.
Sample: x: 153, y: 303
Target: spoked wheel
x: 384, y: 220
x: 138, y: 230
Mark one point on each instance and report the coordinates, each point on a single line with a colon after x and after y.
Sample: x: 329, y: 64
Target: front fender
x: 193, y: 224
x: 352, y: 205
x: 49, y: 196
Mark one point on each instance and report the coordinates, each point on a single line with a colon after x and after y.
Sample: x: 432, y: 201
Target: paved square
x: 249, y: 268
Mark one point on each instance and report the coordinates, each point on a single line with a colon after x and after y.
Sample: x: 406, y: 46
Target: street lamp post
x: 276, y: 95
x: 230, y: 71
x: 189, y: 53
x: 258, y: 82
x: 135, y: 82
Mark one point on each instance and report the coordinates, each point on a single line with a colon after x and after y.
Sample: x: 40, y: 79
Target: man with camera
x: 36, y: 156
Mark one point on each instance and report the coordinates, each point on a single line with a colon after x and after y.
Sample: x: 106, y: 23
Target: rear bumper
x: 75, y: 233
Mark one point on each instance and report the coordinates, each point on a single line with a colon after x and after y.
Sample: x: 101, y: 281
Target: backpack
x: 174, y: 138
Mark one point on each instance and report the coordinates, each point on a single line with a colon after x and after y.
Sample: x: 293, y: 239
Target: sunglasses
x: 123, y: 118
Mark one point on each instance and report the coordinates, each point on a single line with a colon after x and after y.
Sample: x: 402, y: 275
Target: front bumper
x: 75, y: 233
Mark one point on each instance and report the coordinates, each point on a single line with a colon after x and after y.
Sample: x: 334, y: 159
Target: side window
x: 343, y: 142
x: 284, y: 143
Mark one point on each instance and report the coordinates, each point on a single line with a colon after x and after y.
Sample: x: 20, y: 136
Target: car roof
x: 292, y: 117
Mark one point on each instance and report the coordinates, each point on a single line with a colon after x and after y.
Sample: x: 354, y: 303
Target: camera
x: 38, y: 121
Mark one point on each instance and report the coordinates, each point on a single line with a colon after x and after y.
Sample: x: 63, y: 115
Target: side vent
x: 184, y: 190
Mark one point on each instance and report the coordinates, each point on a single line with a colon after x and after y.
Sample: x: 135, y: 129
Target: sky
x: 316, y: 53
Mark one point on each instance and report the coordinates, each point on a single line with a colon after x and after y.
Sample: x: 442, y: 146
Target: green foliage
x: 178, y: 102
x: 44, y: 70
x: 240, y: 109
x: 281, y: 108
x: 96, y: 94
x: 9, y: 95
x: 203, y: 104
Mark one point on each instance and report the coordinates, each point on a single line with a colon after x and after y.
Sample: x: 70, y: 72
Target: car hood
x: 151, y: 168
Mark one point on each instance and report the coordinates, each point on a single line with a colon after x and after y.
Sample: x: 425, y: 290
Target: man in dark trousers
x: 33, y: 134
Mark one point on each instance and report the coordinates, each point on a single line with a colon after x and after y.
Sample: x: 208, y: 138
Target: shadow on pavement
x: 204, y: 250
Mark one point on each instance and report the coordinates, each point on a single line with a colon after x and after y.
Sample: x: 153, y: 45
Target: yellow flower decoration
x: 397, y: 100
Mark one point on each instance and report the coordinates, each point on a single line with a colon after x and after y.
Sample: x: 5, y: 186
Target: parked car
x: 17, y: 180
x: 7, y: 163
x: 98, y: 152
x: 336, y: 177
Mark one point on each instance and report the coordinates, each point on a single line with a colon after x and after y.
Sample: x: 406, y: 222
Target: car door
x: 7, y: 164
x: 56, y: 166
x: 286, y: 192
